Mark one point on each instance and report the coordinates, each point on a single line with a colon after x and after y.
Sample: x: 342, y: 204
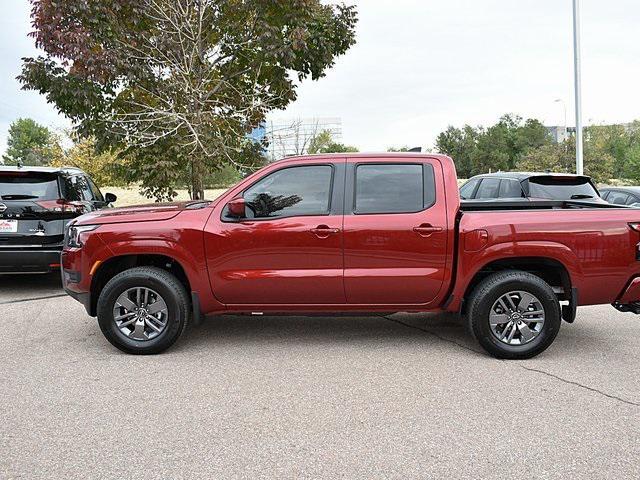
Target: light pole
x: 578, y: 85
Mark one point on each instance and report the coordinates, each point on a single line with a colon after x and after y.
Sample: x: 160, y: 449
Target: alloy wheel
x: 517, y: 318
x: 140, y: 313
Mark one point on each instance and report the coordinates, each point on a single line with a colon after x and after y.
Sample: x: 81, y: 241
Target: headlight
x: 75, y: 234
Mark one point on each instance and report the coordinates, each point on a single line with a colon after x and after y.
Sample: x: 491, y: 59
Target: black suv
x: 35, y: 205
x: 514, y: 186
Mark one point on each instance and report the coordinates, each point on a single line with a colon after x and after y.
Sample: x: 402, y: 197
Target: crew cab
x: 353, y: 233
x: 35, y: 205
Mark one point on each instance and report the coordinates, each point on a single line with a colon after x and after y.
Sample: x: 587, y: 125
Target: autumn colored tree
x: 177, y: 84
x: 105, y: 167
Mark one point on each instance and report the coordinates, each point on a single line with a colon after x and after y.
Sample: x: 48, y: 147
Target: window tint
x: 488, y: 188
x: 77, y: 188
x: 397, y: 188
x: 632, y: 200
x: 559, y: 188
x: 28, y: 186
x: 291, y: 192
x: 95, y: 191
x: 466, y: 191
x: 510, y: 189
x: 618, y: 198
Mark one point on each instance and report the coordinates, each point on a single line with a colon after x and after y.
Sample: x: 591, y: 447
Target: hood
x: 153, y: 212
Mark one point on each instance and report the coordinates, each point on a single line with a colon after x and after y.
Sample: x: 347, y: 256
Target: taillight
x: 635, y: 226
x: 62, y: 205
x: 52, y: 205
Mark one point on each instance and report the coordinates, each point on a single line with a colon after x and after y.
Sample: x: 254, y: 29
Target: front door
x: 288, y: 249
x: 394, y: 232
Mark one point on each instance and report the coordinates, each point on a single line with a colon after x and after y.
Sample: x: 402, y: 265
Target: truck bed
x: 598, y: 249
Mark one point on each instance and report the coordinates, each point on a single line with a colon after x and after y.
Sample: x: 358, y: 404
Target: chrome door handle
x: 427, y: 230
x: 323, y: 231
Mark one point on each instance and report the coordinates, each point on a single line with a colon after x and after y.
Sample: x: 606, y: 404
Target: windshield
x: 558, y: 188
x: 28, y: 186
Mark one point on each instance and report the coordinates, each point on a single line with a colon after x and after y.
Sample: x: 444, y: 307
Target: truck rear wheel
x: 514, y: 315
x: 143, y: 310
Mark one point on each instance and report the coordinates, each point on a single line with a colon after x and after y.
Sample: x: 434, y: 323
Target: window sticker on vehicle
x: 8, y: 226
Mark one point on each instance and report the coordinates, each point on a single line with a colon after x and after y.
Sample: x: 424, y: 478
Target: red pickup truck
x: 353, y: 233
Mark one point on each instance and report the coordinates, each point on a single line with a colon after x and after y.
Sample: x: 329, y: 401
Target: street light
x: 578, y: 85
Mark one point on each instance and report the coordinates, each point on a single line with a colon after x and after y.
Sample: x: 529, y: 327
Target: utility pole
x: 578, y: 86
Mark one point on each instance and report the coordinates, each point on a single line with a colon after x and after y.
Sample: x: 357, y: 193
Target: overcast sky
x: 420, y: 65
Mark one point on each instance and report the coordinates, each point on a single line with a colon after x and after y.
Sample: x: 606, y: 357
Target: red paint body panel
x: 631, y: 293
x: 367, y: 262
x: 387, y: 262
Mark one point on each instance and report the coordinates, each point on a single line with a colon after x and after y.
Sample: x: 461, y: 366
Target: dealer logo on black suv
x: 3, y: 207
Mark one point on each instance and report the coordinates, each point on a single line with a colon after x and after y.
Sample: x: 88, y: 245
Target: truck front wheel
x: 143, y: 310
x: 514, y: 315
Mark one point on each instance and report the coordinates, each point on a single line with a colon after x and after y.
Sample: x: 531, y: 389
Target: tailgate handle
x: 426, y: 230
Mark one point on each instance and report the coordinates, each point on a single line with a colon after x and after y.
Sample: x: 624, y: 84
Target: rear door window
x: 466, y: 191
x: 394, y: 188
x: 632, y: 200
x: 488, y: 188
x: 618, y: 198
x: 510, y: 189
x: 28, y: 186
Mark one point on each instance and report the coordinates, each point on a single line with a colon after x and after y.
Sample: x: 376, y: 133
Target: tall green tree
x: 560, y: 158
x: 460, y: 144
x: 498, y: 147
x: 28, y: 143
x: 177, y: 84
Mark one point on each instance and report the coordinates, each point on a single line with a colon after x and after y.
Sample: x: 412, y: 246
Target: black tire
x: 162, y: 282
x: 489, y: 290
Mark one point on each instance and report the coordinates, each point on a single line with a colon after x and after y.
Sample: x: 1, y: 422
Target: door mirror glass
x: 236, y: 208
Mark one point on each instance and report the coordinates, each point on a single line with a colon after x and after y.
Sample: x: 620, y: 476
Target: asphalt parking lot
x: 408, y: 396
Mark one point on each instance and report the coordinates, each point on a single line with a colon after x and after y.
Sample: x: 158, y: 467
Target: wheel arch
x: 114, y: 265
x: 551, y: 270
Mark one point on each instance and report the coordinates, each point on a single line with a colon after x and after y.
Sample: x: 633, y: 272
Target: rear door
x: 395, y: 232
x: 31, y: 213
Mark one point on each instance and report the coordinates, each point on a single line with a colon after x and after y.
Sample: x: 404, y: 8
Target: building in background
x: 560, y: 134
x: 288, y: 137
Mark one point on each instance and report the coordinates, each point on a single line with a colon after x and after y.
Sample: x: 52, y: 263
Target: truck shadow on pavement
x: 372, y: 331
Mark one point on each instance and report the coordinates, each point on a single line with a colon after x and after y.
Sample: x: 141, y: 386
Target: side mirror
x: 110, y: 198
x: 237, y: 207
